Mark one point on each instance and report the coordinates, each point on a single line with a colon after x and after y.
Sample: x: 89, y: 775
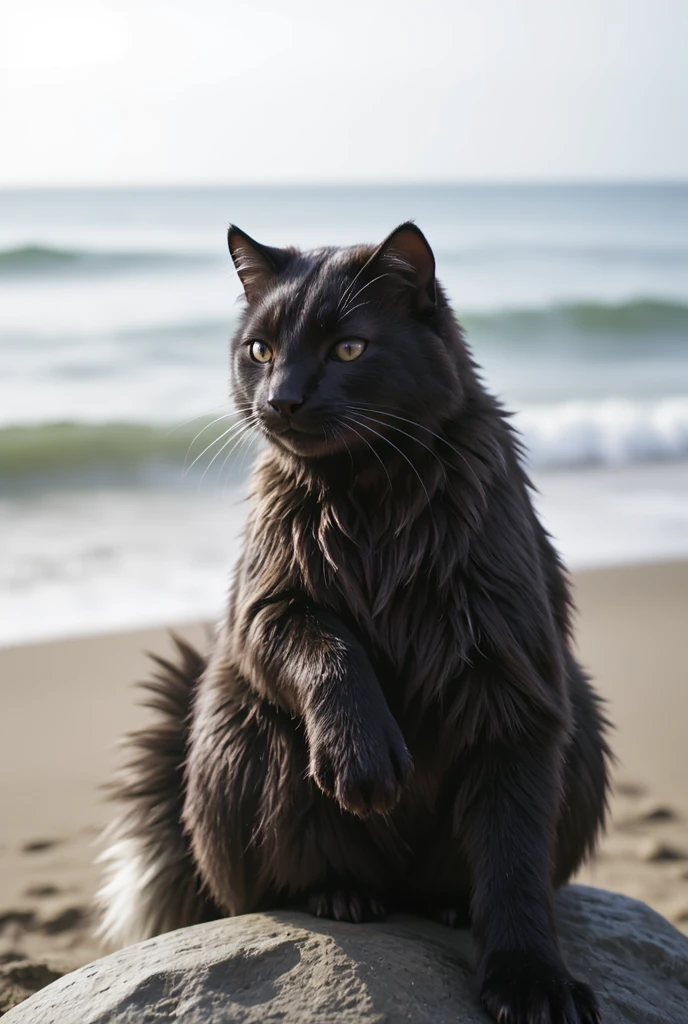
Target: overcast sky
x: 225, y: 91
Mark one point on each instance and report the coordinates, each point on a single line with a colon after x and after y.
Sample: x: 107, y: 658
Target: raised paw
x: 527, y: 988
x: 364, y: 775
x: 344, y: 904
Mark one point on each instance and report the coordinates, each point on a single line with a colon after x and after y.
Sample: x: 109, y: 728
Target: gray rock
x: 292, y: 968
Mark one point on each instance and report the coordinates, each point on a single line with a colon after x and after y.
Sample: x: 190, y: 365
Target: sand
x: 65, y: 703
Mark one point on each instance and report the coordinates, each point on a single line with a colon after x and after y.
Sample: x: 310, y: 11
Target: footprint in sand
x: 653, y: 851
x: 653, y: 815
x: 20, y: 918
x: 67, y: 920
x: 39, y: 845
x: 630, y: 789
x: 42, y: 892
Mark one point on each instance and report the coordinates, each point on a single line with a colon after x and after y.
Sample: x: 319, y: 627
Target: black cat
x: 391, y: 715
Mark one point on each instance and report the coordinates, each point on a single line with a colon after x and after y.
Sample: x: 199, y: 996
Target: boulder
x: 295, y: 969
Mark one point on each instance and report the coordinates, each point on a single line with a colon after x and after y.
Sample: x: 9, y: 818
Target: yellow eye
x: 347, y: 351
x: 260, y: 352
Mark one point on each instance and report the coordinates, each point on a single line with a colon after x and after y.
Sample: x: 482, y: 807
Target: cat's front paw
x: 527, y: 988
x: 364, y: 774
x: 342, y: 903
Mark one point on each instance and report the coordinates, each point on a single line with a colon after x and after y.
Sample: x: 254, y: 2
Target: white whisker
x: 251, y: 438
x: 376, y: 454
x: 414, y: 423
x: 403, y: 455
x: 192, y: 419
x: 338, y: 434
x: 225, y: 416
x: 357, y: 306
x: 236, y: 438
x: 391, y: 426
x: 350, y: 287
x: 234, y: 427
x: 362, y: 289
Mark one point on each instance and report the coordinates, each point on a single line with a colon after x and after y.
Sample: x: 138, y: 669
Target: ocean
x: 115, y: 311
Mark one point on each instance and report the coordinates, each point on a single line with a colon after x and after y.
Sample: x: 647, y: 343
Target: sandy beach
x: 65, y: 704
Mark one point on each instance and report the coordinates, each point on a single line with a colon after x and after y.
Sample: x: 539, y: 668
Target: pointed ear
x: 408, y: 248
x: 257, y: 265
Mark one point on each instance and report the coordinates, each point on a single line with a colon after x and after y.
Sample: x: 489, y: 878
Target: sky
x: 108, y: 92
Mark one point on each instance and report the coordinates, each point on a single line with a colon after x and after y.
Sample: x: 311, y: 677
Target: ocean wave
x: 43, y: 261
x: 642, y: 318
x: 665, y: 255
x: 37, y: 258
x: 55, y: 450
x: 610, y: 432
x: 185, y: 330
x: 635, y: 323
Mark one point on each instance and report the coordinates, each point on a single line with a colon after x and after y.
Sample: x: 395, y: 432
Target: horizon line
x: 299, y: 184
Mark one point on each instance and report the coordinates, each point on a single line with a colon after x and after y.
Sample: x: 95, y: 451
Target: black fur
x: 391, y: 715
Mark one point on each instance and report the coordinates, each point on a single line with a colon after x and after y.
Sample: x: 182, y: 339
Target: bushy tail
x: 151, y: 885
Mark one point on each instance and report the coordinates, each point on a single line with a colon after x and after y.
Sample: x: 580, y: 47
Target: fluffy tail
x: 151, y: 885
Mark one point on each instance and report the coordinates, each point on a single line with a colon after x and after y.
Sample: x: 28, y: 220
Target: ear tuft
x: 257, y: 265
x: 408, y: 247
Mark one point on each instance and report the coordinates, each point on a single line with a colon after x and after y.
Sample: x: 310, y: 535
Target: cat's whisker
x: 338, y: 434
x: 358, y: 305
x: 246, y: 427
x: 406, y: 434
x: 199, y: 416
x: 230, y: 430
x: 246, y: 434
x: 225, y: 416
x: 347, y: 291
x: 362, y: 289
x: 365, y: 426
x: 251, y: 438
x: 420, y: 426
x: 376, y: 454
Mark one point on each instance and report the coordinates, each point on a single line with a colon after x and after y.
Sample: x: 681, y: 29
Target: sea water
x: 116, y: 307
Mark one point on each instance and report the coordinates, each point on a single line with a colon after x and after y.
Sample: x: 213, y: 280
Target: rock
x: 295, y: 969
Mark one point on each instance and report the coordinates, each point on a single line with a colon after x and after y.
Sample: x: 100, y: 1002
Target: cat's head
x: 336, y: 345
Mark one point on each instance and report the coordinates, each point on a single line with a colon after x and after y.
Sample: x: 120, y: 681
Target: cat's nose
x: 285, y: 406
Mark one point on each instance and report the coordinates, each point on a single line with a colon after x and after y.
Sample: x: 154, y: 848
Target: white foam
x: 611, y: 431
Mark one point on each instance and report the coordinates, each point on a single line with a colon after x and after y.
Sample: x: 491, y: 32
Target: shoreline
x: 159, y: 624
x: 67, y: 701
x: 116, y: 559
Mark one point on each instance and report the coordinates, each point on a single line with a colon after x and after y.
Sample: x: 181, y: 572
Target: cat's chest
x: 406, y: 598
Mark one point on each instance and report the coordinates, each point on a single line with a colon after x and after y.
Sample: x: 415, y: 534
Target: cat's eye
x: 260, y: 352
x: 347, y: 351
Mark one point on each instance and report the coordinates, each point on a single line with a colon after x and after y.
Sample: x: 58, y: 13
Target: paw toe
x: 342, y: 904
x: 521, y: 988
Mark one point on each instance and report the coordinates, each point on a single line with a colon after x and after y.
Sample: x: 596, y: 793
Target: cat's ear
x: 257, y: 265
x: 408, y: 248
